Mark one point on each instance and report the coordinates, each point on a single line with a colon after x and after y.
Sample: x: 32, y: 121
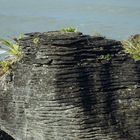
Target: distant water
x: 116, y: 19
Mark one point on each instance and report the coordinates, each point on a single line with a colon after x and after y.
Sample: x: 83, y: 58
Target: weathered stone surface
x: 71, y: 86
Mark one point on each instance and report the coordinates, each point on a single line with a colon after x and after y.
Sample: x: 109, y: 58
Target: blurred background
x: 117, y: 19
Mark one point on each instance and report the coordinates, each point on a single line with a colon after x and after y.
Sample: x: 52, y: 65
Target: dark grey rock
x: 71, y: 86
x: 5, y: 136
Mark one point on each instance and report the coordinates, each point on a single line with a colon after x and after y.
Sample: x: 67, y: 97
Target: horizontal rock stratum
x: 70, y: 86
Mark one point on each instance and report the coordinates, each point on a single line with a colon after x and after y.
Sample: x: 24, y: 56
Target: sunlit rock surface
x: 71, y: 86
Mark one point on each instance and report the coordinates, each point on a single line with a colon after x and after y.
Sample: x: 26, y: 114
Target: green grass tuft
x: 36, y: 40
x: 69, y: 30
x: 12, y: 48
x: 5, y: 66
x: 15, y: 53
x: 132, y: 47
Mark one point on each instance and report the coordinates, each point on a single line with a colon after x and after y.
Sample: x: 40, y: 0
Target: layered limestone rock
x: 70, y: 86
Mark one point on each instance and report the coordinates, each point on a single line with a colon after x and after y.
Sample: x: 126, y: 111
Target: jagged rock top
x: 59, y: 38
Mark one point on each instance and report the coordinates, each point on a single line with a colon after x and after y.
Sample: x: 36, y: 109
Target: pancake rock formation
x: 70, y: 86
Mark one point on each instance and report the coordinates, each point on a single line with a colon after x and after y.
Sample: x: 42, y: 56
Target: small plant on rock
x: 106, y: 57
x: 20, y: 36
x: 36, y: 40
x: 12, y: 48
x: 14, y: 52
x: 132, y: 47
x: 69, y: 29
x: 5, y: 66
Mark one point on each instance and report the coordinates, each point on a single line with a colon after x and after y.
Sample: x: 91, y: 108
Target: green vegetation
x: 12, y: 48
x: 36, y: 40
x: 20, y: 36
x: 106, y: 57
x: 132, y: 47
x: 14, y: 52
x: 5, y: 66
x: 69, y: 30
